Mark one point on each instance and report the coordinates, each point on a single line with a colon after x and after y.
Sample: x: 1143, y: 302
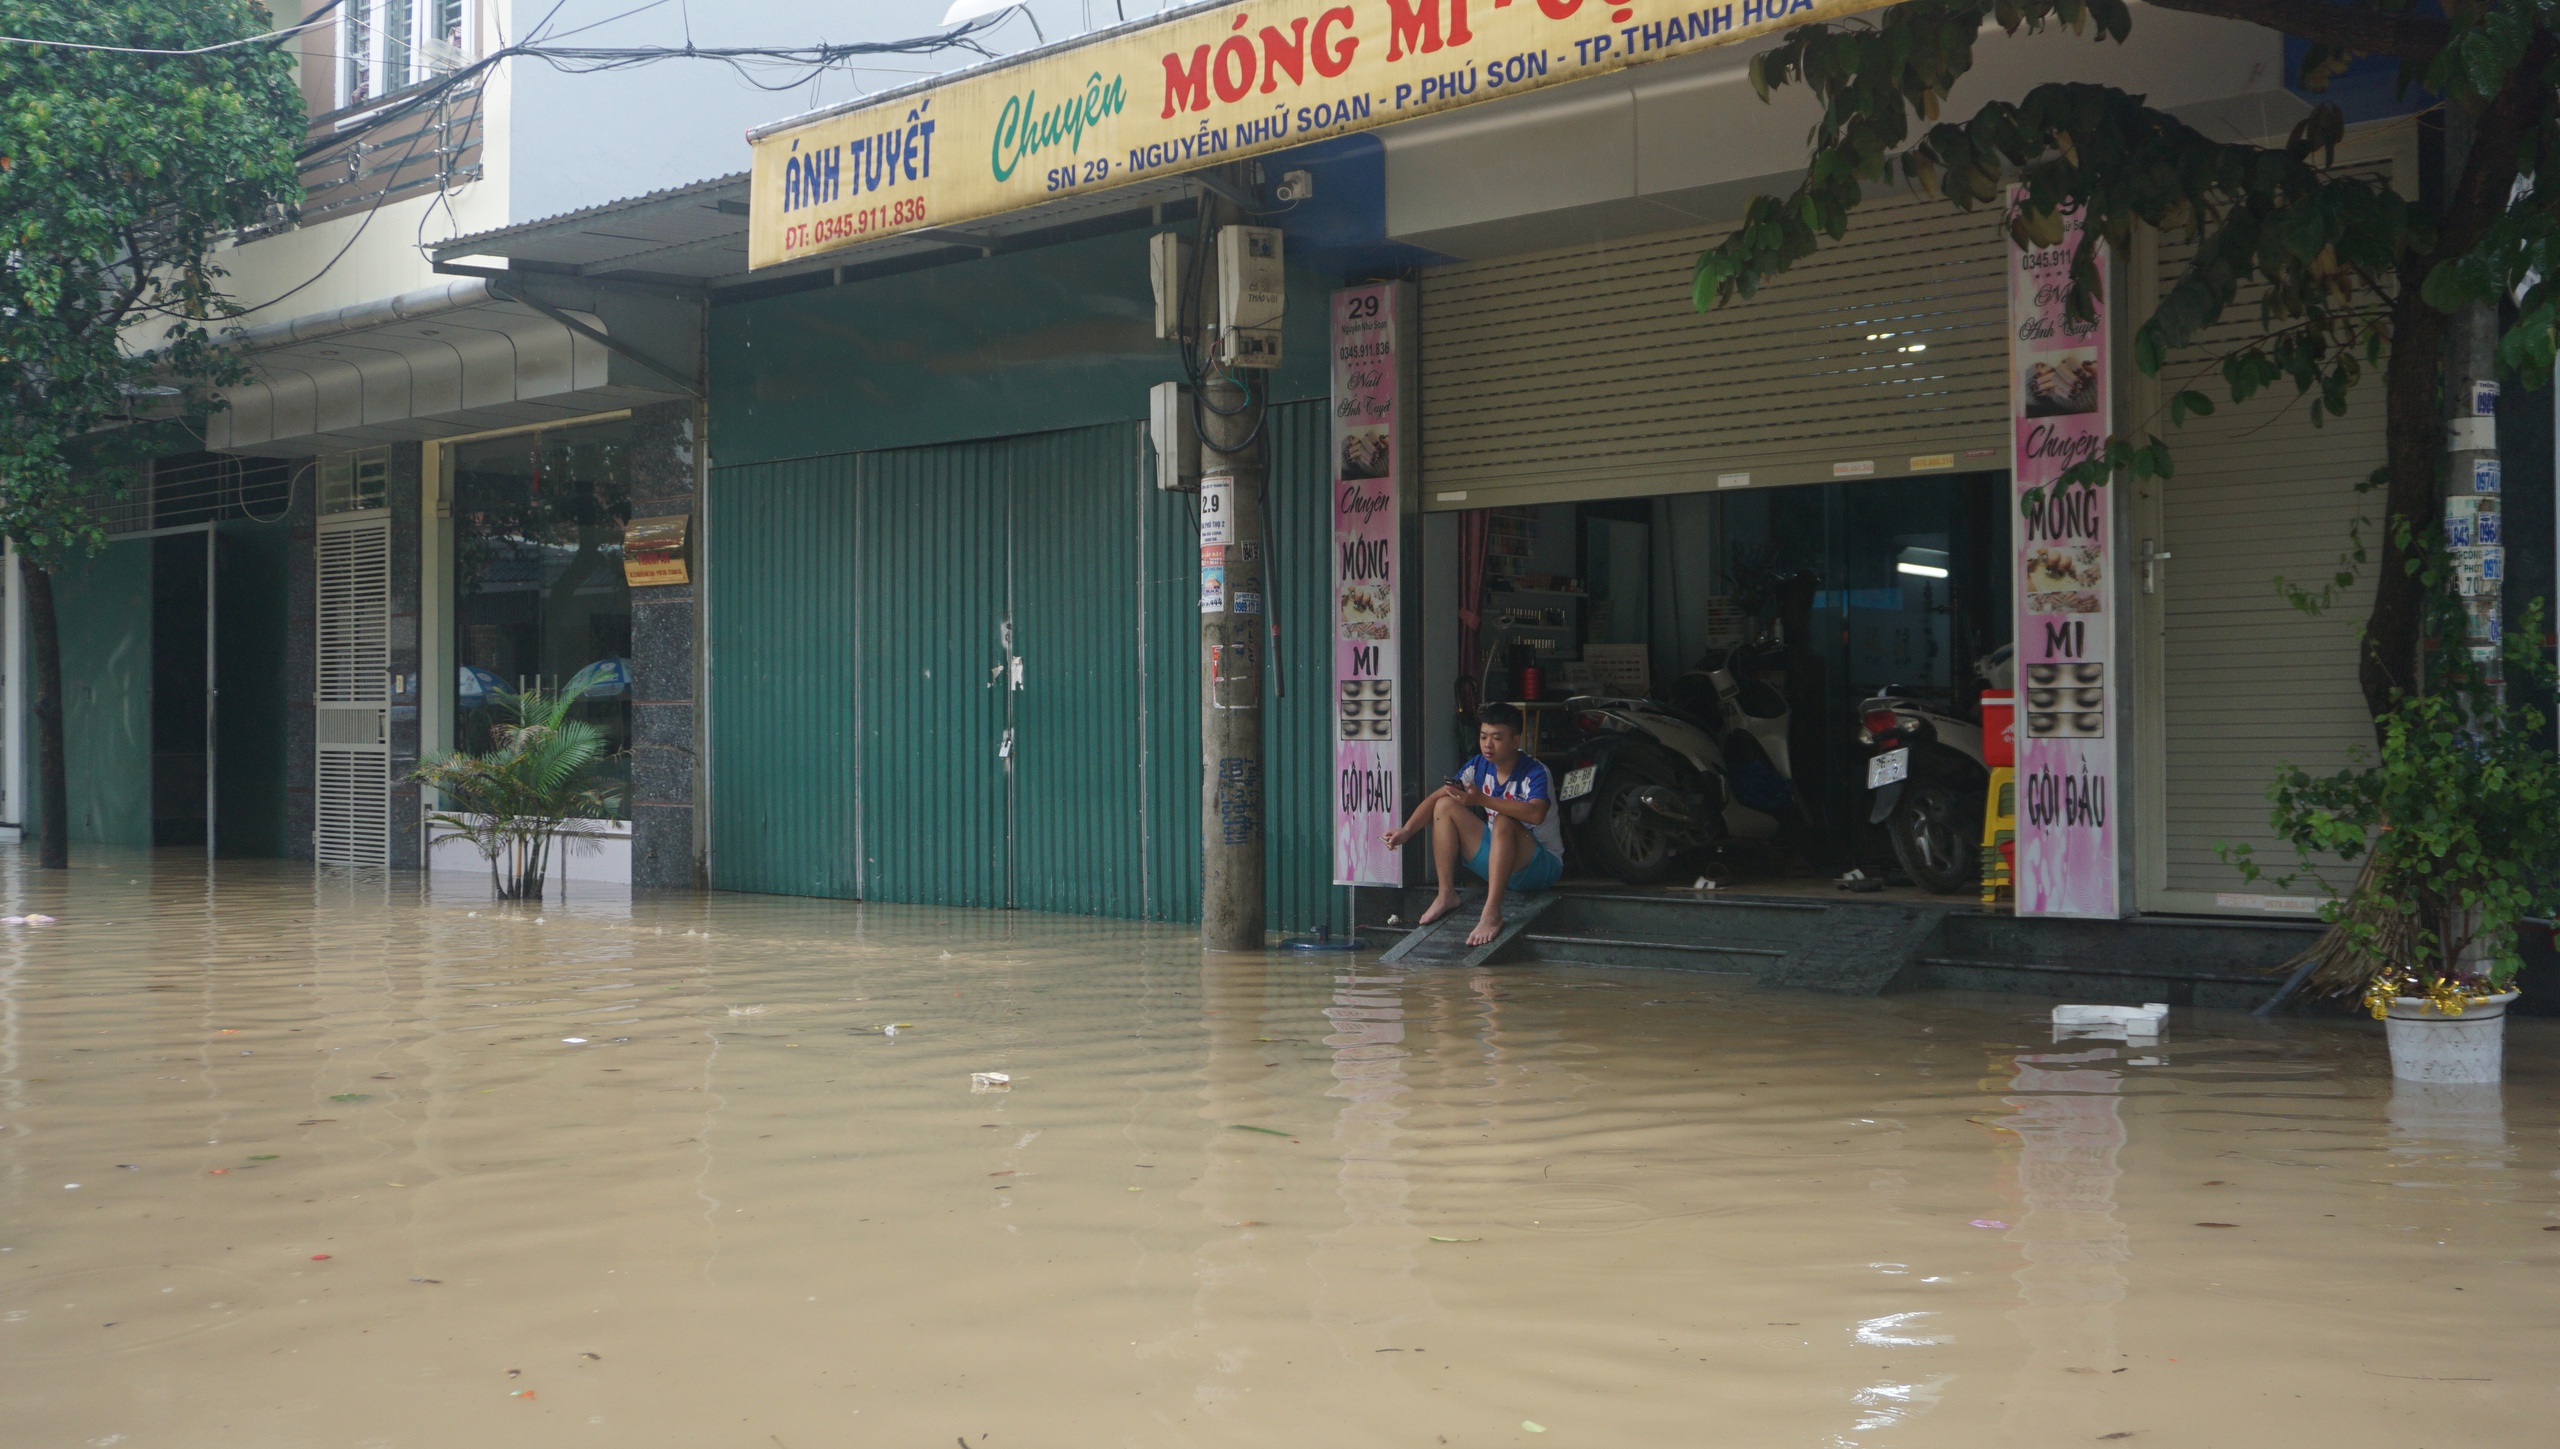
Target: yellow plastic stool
x: 1999, y: 825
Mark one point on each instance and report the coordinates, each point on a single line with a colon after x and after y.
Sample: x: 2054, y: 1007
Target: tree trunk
x: 2414, y: 433
x: 2394, y: 634
x: 53, y: 781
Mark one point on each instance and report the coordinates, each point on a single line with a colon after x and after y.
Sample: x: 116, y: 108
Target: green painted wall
x: 102, y: 606
x: 1037, y: 341
x: 856, y: 604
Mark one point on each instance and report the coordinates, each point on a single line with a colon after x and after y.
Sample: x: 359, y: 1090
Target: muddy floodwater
x: 288, y: 1161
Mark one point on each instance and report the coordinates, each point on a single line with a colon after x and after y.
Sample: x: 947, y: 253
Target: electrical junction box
x: 1168, y: 265
x: 1176, y: 434
x: 1252, y: 296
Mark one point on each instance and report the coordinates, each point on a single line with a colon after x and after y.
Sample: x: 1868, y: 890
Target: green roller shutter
x: 859, y: 698
x: 929, y: 566
x: 103, y: 609
x: 780, y: 540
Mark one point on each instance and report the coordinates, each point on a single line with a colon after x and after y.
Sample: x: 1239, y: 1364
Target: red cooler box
x: 1999, y: 730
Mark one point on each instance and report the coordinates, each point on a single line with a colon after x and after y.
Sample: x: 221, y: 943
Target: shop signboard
x: 2061, y: 411
x: 1207, y: 85
x: 1367, y: 472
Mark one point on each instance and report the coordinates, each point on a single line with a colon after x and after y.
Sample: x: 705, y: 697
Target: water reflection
x: 2069, y: 1117
x: 1367, y: 1292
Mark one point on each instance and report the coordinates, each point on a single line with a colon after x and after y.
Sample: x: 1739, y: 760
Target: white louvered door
x: 1586, y: 373
x: 352, y: 793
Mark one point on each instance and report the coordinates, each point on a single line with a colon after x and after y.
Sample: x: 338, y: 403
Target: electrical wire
x: 809, y: 63
x: 298, y: 27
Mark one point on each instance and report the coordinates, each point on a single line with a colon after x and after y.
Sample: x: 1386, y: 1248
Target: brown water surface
x: 333, y: 1162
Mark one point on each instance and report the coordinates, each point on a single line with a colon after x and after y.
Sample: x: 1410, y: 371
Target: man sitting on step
x: 1498, y: 814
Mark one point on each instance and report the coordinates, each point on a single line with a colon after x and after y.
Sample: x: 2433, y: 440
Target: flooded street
x: 287, y: 1163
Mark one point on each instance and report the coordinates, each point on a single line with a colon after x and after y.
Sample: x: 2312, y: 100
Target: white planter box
x: 603, y: 859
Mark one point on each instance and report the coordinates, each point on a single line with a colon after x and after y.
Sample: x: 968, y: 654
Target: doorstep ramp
x: 1444, y: 941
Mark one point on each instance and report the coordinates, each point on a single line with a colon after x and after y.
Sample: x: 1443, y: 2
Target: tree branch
x: 2341, y: 27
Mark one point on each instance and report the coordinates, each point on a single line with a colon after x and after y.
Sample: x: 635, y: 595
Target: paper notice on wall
x: 2069, y: 682
x: 1366, y: 470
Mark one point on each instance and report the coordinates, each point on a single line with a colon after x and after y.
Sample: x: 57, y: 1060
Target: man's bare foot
x: 1488, y: 926
x: 1440, y: 906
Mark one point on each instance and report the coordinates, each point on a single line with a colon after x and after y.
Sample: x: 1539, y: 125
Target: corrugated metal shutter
x: 929, y: 569
x: 1585, y: 372
x: 1169, y: 652
x: 351, y: 795
x: 856, y: 605
x: 2249, y: 682
x: 783, y: 615
x: 1297, y: 743
x: 1077, y: 840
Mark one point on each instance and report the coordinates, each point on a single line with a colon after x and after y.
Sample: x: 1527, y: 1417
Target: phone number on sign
x: 848, y: 224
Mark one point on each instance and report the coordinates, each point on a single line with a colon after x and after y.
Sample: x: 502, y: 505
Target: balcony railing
x: 407, y: 143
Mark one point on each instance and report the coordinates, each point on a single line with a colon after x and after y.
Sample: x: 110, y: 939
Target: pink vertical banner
x: 1367, y: 695
x: 2062, y: 411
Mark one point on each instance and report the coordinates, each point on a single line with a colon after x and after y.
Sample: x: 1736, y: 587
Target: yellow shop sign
x: 1208, y: 84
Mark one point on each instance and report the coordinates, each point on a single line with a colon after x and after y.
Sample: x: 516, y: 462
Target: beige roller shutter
x: 1585, y: 373
x: 2248, y: 682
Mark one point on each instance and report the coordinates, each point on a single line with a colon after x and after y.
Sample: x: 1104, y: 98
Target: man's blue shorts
x: 1538, y: 872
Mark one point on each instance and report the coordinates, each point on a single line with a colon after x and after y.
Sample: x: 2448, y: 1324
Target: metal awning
x: 449, y: 359
x: 696, y: 235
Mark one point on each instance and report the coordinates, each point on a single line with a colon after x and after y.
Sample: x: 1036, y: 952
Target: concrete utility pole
x: 1233, y: 473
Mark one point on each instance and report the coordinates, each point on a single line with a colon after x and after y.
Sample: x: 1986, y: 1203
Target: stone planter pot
x: 2427, y: 1046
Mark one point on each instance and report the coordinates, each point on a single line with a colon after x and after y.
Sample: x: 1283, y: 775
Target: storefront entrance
x: 1842, y: 590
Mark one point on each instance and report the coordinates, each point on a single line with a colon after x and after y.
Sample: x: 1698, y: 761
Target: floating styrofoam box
x: 2143, y: 1020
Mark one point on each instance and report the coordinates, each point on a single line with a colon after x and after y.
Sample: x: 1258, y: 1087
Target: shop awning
x: 696, y: 235
x: 454, y: 358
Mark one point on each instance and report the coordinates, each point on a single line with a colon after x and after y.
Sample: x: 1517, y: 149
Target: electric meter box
x: 1175, y: 432
x: 1252, y: 296
x: 1168, y: 267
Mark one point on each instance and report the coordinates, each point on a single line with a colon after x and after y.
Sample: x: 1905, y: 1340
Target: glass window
x: 538, y: 589
x: 390, y: 45
x: 352, y: 482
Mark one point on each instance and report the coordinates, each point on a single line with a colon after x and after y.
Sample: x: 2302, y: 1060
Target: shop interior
x: 540, y: 600
x: 1836, y: 592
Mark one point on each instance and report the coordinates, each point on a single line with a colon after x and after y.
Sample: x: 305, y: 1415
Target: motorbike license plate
x: 1888, y: 767
x: 1577, y: 783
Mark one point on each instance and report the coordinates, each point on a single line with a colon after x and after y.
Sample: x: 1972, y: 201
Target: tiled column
x: 408, y: 844
x: 665, y: 850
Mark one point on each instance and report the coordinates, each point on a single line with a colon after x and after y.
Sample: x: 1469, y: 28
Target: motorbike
x: 1645, y: 781
x: 1929, y: 778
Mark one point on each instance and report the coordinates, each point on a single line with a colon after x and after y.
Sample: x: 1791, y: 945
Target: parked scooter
x: 1929, y: 781
x: 1646, y: 781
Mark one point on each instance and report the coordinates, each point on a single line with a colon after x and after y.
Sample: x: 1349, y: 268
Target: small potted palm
x: 2455, y: 820
x: 537, y: 784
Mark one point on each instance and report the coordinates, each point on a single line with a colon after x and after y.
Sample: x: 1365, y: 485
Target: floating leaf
x: 1265, y: 1131
x: 352, y: 1097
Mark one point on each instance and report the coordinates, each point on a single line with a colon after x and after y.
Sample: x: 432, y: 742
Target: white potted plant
x: 2456, y: 819
x: 536, y: 784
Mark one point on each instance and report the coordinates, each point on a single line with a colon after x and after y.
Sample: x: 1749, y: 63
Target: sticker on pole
x: 1217, y: 509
